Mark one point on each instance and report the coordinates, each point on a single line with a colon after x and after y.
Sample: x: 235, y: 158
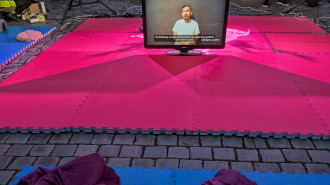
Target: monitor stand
x: 184, y: 52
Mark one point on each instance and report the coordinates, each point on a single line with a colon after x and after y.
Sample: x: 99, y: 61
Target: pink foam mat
x: 112, y: 25
x: 300, y: 43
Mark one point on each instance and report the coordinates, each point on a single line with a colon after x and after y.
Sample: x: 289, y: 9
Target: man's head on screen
x: 186, y: 12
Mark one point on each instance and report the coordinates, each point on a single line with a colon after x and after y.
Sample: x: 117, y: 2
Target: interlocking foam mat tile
x: 300, y: 43
x: 152, y: 176
x: 10, y: 48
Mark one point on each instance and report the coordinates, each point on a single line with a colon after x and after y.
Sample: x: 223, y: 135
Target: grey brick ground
x: 296, y: 155
x: 178, y: 152
x: 302, y: 144
x: 4, y: 161
x: 224, y: 153
x: 3, y: 148
x: 39, y: 138
x: 21, y: 161
x: 190, y: 164
x: 201, y: 153
x: 109, y: 150
x: 239, y: 166
x: 322, y: 144
x: 319, y: 156
x: 247, y: 155
x: 210, y: 141
x: 102, y: 139
x: 3, y: 137
x: 124, y: 139
x: 46, y: 161
x: 248, y: 142
x: 60, y: 138
x: 83, y: 150
x: 211, y: 165
x: 167, y: 163
x: 19, y: 150
x: 145, y: 140
x: 145, y: 163
x: 267, y: 167
x: 64, y: 150
x: 271, y: 155
x: 260, y: 142
x: 5, y: 176
x: 318, y: 168
x: 188, y: 141
x: 41, y: 150
x: 119, y: 162
x: 293, y: 167
x: 168, y: 140
x: 18, y: 138
x: 155, y: 152
x: 65, y: 160
x: 232, y: 142
x: 131, y: 151
x: 81, y: 138
x: 278, y: 143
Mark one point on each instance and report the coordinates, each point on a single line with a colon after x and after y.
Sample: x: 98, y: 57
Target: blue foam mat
x: 10, y: 47
x: 152, y: 176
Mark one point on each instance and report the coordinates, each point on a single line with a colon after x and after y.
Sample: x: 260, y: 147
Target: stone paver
x: 21, y: 161
x: 155, y: 152
x: 318, y: 168
x: 319, y: 156
x: 322, y: 144
x: 60, y: 138
x: 201, y: 153
x: 278, y: 143
x: 102, y: 139
x: 271, y: 155
x: 81, y: 138
x: 239, y: 166
x: 224, y: 153
x: 4, y: 161
x: 302, y: 144
x: 210, y: 141
x: 5, y: 176
x: 19, y: 150
x: 190, y: 164
x: 109, y: 150
x: 65, y: 160
x: 41, y: 150
x: 188, y: 141
x: 64, y: 150
x: 168, y: 140
x: 267, y: 167
x: 296, y: 155
x: 45, y: 161
x: 131, y: 151
x: 119, y: 162
x: 83, y: 150
x: 167, y: 163
x: 178, y: 152
x: 145, y: 163
x: 145, y: 140
x: 211, y: 165
x: 260, y: 142
x: 247, y: 155
x: 17, y: 138
x: 3, y: 137
x: 124, y: 139
x: 232, y: 142
x: 3, y: 148
x: 293, y: 167
x: 39, y: 138
x: 248, y: 142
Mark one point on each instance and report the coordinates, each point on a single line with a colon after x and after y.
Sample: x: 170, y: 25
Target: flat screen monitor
x: 185, y: 24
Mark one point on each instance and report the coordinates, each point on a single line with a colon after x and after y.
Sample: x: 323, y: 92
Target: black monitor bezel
x: 185, y: 47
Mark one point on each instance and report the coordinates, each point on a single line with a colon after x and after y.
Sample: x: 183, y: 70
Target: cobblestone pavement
x: 171, y: 151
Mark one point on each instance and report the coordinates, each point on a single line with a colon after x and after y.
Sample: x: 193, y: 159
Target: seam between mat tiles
x: 85, y: 99
x: 269, y: 42
x: 304, y: 94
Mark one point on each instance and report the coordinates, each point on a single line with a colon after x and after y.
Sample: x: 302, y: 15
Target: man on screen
x: 186, y: 26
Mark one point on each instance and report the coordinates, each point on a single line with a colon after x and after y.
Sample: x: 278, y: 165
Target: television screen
x: 185, y: 24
